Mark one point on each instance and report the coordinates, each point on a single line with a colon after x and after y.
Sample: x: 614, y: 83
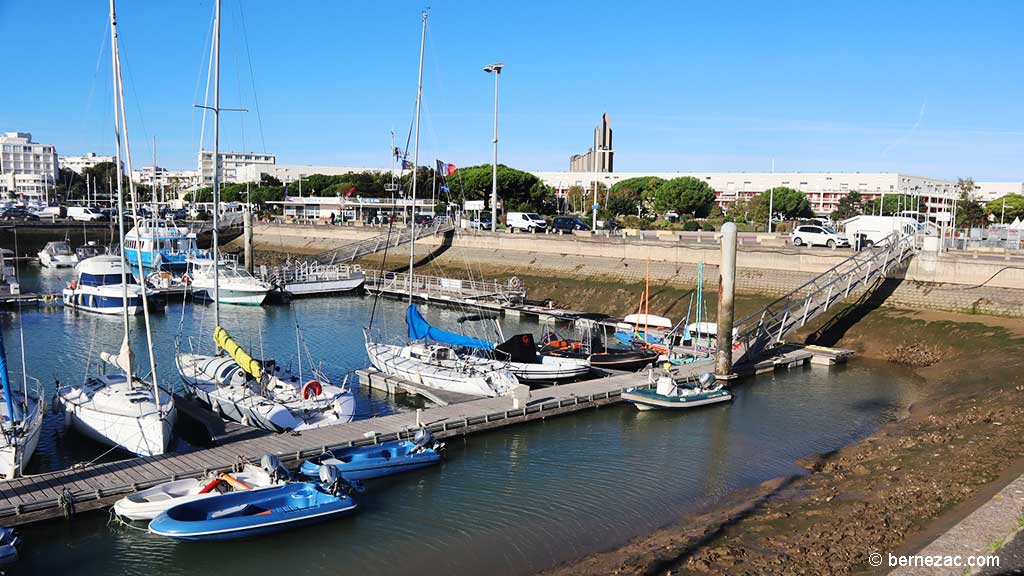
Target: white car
x: 817, y: 236
x: 526, y: 221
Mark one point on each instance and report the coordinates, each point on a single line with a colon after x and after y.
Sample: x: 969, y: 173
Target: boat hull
x: 651, y: 400
x: 388, y: 359
x: 99, y: 303
x: 150, y: 503
x: 14, y: 458
x: 233, y: 296
x: 368, y: 462
x: 252, y: 513
x: 323, y: 287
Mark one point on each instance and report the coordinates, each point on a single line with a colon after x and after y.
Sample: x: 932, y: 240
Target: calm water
x: 513, y: 501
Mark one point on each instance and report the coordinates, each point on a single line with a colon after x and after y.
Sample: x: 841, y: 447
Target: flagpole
x: 433, y: 194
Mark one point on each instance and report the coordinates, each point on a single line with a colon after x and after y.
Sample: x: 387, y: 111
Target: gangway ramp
x: 355, y: 250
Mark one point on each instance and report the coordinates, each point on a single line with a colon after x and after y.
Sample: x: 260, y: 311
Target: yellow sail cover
x: 224, y: 340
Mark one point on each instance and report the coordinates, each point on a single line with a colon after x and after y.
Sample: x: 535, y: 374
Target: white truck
x: 526, y: 221
x: 871, y: 230
x: 84, y: 214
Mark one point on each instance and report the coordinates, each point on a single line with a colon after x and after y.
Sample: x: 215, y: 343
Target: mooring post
x: 726, y: 297
x: 247, y: 238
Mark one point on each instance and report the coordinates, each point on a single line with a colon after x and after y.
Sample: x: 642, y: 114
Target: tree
x: 849, y: 206
x: 625, y: 195
x: 1008, y: 208
x: 788, y: 202
x: 518, y: 190
x: 686, y: 195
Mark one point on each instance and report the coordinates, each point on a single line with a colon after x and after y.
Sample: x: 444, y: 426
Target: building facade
x: 601, y: 151
x: 823, y: 189
x: 294, y: 173
x: 169, y: 179
x: 27, y: 169
x: 989, y: 191
x: 79, y: 163
x: 230, y: 165
x: 370, y: 210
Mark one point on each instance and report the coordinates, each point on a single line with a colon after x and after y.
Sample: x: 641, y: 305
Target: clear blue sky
x: 929, y: 88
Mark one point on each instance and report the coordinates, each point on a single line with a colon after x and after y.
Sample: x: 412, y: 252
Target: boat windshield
x: 61, y: 249
x: 104, y: 279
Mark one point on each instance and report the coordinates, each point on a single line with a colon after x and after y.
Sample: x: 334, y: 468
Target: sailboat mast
x: 138, y: 249
x: 216, y: 166
x: 416, y: 156
x: 116, y: 64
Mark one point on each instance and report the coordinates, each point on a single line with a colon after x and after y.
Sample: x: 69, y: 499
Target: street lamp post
x: 593, y: 207
x: 496, y: 69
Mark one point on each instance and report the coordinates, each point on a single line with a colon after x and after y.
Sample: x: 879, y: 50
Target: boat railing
x: 301, y: 271
x: 510, y: 292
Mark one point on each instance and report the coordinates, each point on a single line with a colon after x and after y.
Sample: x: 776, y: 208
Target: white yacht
x: 21, y: 420
x: 257, y: 393
x: 237, y: 286
x: 441, y: 367
x: 99, y: 287
x: 58, y: 255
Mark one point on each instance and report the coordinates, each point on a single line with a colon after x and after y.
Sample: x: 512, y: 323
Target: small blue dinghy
x: 365, y: 462
x: 258, y: 512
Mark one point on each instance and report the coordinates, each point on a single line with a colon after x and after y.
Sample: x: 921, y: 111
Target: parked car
x: 481, y: 224
x: 817, y: 236
x: 423, y: 219
x: 85, y: 214
x: 526, y: 221
x: 18, y: 214
x: 174, y: 214
x: 568, y: 224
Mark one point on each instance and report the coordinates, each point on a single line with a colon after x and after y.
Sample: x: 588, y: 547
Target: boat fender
x: 311, y: 389
x: 235, y: 483
x: 209, y: 487
x: 185, y: 279
x: 74, y: 284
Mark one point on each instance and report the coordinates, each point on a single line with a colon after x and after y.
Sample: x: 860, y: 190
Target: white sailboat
x: 437, y: 365
x: 21, y: 418
x: 122, y: 410
x: 235, y: 385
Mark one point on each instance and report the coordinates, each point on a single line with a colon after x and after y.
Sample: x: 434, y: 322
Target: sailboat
x: 236, y: 386
x: 122, y: 410
x: 21, y: 419
x: 435, y: 364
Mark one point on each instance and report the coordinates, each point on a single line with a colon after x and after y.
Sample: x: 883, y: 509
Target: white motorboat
x: 671, y: 395
x: 9, y: 285
x: 148, y: 504
x: 21, y: 420
x: 256, y: 393
x: 121, y: 410
x: 58, y: 255
x: 236, y: 285
x: 309, y: 278
x: 101, y: 287
x: 441, y: 367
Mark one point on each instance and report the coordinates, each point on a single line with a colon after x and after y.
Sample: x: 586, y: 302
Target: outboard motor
x: 335, y: 483
x: 423, y: 437
x: 707, y: 379
x: 272, y: 465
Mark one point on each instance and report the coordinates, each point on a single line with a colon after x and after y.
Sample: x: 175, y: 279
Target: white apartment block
x: 169, y: 179
x: 989, y: 191
x: 823, y: 189
x: 27, y: 168
x: 294, y: 173
x: 230, y: 164
x: 79, y: 163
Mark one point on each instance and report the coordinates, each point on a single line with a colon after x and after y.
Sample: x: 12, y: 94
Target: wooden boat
x: 366, y: 462
x: 150, y: 503
x: 672, y: 395
x: 257, y: 512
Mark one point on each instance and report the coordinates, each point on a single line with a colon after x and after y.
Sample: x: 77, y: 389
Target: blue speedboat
x: 257, y: 512
x: 672, y: 395
x: 365, y: 462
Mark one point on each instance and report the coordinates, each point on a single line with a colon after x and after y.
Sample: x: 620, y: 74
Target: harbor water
x: 513, y: 501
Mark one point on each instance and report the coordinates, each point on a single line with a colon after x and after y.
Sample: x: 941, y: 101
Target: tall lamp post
x: 593, y: 207
x: 496, y: 69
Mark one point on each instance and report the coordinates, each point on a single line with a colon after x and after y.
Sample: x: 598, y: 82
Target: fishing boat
x: 21, y: 419
x: 378, y: 460
x: 150, y: 503
x: 102, y: 287
x: 440, y: 365
x: 304, y: 278
x: 258, y: 393
x: 122, y: 410
x: 671, y: 395
x: 159, y: 244
x: 236, y: 286
x: 9, y: 541
x: 252, y: 513
x: 58, y: 255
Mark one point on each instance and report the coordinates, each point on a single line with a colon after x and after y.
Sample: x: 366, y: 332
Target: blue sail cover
x: 5, y: 381
x: 420, y: 329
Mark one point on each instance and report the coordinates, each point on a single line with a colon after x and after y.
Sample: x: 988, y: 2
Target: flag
x: 350, y: 191
x: 444, y: 189
x: 445, y: 169
x: 397, y: 152
x: 406, y: 165
x: 451, y: 169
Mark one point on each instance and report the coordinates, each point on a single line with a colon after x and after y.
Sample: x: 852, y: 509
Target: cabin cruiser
x: 98, y: 288
x: 161, y: 245
x: 58, y: 255
x: 9, y: 285
x: 90, y: 249
x: 236, y: 285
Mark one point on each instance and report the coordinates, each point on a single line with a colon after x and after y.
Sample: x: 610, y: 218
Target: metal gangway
x: 859, y: 273
x: 356, y: 250
x: 438, y: 288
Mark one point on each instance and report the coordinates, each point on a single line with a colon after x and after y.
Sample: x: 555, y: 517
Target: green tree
x: 518, y: 190
x: 625, y: 195
x: 686, y: 195
x: 849, y: 206
x: 788, y: 202
x: 1008, y: 208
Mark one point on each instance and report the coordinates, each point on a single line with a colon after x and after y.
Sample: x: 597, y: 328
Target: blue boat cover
x: 420, y: 329
x: 5, y: 381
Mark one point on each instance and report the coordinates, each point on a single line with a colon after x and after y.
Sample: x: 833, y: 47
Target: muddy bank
x: 890, y: 492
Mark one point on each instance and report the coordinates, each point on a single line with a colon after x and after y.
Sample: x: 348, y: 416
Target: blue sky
x: 920, y: 87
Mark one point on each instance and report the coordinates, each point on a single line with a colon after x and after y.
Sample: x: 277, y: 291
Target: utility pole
x: 496, y: 69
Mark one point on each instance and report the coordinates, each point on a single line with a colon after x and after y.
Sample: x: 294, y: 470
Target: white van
x: 872, y: 230
x: 527, y: 221
x: 84, y: 214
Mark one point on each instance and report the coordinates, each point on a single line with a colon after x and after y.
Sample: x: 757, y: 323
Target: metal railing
x: 361, y: 248
x: 304, y: 271
x: 511, y: 292
x: 769, y: 326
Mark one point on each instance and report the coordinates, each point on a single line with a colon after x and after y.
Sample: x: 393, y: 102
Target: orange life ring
x: 185, y: 279
x: 311, y: 389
